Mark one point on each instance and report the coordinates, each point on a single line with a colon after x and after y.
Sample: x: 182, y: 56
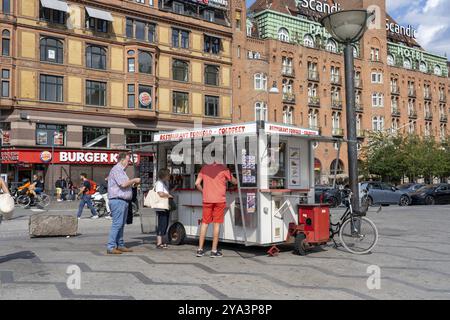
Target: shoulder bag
x: 154, y: 201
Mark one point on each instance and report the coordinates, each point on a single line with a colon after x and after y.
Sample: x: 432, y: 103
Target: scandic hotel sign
x: 61, y: 157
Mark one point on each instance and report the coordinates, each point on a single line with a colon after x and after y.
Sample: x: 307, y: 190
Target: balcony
x: 395, y: 111
x: 412, y: 92
x: 336, y: 104
x: 444, y: 118
x: 412, y: 114
x: 336, y: 79
x: 427, y: 96
x: 361, y: 134
x: 313, y: 75
x: 314, y: 101
x: 288, y: 71
x: 316, y: 128
x: 359, y: 107
x: 288, y: 97
x: 358, y: 83
x: 338, y: 132
x: 395, y: 90
x: 428, y: 116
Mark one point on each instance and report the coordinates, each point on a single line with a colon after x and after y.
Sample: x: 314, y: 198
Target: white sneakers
x: 94, y: 217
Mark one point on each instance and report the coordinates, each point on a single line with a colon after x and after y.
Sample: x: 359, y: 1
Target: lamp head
x: 346, y: 26
x: 274, y: 89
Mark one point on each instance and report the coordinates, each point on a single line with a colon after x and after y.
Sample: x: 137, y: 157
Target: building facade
x: 82, y: 78
x: 399, y: 86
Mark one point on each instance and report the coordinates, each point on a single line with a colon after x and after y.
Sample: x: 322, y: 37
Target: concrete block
x: 41, y: 225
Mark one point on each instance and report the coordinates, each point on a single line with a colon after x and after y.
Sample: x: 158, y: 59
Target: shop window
x: 51, y: 50
x: 96, y: 57
x: 52, y: 15
x: 180, y: 38
x: 212, y: 44
x: 180, y: 70
x: 145, y: 62
x: 138, y: 136
x: 180, y: 102
x: 5, y: 83
x: 212, y: 75
x: 211, y: 106
x: 6, y: 6
x: 51, y: 88
x: 94, y: 137
x: 6, y: 41
x: 131, y: 96
x: 50, y: 134
x: 95, y: 93
x: 145, y: 97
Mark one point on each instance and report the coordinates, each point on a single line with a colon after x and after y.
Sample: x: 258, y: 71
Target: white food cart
x: 274, y: 165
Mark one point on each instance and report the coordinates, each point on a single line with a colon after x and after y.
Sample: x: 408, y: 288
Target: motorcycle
x: 99, y: 204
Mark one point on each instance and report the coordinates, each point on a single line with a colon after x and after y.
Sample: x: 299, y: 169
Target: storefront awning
x: 99, y: 14
x: 55, y: 5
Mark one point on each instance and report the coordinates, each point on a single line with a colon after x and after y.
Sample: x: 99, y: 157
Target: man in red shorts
x: 214, y: 178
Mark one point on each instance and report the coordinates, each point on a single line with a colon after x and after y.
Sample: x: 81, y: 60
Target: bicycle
x: 358, y: 234
x: 24, y: 199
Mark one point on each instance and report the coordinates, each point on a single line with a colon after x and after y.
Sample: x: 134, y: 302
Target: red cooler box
x: 315, y: 221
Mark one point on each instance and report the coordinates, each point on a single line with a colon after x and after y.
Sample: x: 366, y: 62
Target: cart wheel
x: 299, y: 244
x: 177, y: 234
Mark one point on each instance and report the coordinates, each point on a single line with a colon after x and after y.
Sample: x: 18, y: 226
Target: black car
x: 410, y: 187
x: 328, y: 195
x: 432, y: 194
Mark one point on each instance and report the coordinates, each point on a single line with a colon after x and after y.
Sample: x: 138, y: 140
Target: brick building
x: 399, y: 86
x: 81, y: 78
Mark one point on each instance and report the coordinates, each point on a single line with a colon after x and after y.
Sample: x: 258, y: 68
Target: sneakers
x: 200, y: 253
x: 108, y: 217
x: 216, y: 254
x: 94, y: 217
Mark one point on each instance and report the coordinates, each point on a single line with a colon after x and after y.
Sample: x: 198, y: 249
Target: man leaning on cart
x: 212, y: 182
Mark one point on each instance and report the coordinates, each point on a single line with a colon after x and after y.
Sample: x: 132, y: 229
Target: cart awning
x: 55, y: 5
x: 99, y: 14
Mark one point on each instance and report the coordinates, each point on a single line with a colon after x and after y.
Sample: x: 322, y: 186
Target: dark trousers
x: 163, y: 222
x: 86, y: 200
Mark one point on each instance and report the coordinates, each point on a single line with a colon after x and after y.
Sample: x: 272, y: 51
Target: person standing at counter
x: 212, y: 182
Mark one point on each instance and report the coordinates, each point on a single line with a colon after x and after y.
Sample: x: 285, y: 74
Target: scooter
x: 99, y: 203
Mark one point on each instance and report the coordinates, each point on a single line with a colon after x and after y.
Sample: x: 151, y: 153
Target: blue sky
x: 430, y: 17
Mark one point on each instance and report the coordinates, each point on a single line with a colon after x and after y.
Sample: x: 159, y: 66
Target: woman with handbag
x: 162, y: 190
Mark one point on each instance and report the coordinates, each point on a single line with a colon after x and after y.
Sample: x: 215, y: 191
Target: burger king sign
x: 46, y: 156
x: 145, y: 99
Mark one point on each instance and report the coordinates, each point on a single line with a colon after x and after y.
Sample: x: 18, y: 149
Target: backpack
x: 93, y: 188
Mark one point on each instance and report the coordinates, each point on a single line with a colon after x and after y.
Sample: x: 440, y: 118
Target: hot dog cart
x: 274, y: 166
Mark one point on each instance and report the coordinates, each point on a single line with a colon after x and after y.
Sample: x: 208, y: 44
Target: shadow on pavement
x: 18, y: 255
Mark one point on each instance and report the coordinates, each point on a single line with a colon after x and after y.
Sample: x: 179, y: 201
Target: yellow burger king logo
x: 46, y: 156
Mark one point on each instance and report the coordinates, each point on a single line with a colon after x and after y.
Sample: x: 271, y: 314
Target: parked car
x: 329, y: 195
x: 410, y: 187
x: 384, y: 194
x: 432, y: 194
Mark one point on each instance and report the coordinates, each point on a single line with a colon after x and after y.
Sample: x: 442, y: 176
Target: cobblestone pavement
x: 413, y: 253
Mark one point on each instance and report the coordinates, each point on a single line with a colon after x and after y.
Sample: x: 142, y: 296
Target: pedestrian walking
x: 103, y: 190
x: 86, y: 190
x: 212, y: 182
x: 162, y: 189
x: 119, y: 193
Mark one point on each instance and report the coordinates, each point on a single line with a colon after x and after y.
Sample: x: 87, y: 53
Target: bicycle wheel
x: 361, y: 242
x: 44, y: 200
x: 23, y: 201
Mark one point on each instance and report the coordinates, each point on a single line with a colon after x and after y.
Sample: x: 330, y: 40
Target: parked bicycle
x: 358, y: 234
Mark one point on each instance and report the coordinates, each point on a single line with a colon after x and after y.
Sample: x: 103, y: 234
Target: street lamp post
x: 347, y: 27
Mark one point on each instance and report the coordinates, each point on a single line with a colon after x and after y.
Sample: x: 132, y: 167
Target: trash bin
x: 148, y: 220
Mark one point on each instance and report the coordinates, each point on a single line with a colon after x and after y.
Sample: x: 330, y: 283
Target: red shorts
x: 213, y: 212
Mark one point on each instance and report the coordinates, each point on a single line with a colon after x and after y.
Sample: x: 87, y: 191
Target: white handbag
x: 6, y: 205
x: 154, y: 201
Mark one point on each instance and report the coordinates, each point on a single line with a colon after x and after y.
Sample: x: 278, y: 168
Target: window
x: 131, y: 65
x: 437, y: 70
x: 145, y: 62
x: 211, y: 106
x: 130, y: 28
x: 260, y: 80
x: 95, y: 93
x: 145, y: 97
x: 208, y: 15
x: 131, y: 102
x: 339, y: 165
x: 423, y: 67
x: 407, y: 63
x: 52, y: 15
x: 51, y: 50
x: 283, y: 35
x: 5, y: 83
x: 95, y: 24
x: 140, y: 30
x: 6, y: 6
x: 332, y: 46
x: 212, y: 44
x: 51, y: 88
x: 151, y: 34
x: 260, y: 111
x: 94, y: 137
x: 288, y: 115
x: 180, y: 101
x: 95, y: 57
x: 180, y: 38
x: 377, y: 77
x: 50, y: 134
x: 137, y: 136
x: 238, y: 20
x: 390, y: 60
x: 249, y: 28
x: 180, y: 70
x: 6, y: 40
x: 375, y: 54
x: 211, y: 75
x: 178, y: 7
x: 355, y: 52
x: 378, y: 123
x: 377, y: 99
x: 308, y: 41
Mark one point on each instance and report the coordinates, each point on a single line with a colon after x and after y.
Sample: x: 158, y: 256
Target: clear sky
x: 430, y: 17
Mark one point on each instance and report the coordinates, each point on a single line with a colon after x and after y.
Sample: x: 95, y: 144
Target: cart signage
x: 287, y: 130
x: 243, y: 129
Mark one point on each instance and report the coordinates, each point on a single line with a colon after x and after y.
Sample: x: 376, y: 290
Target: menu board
x: 294, y: 167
